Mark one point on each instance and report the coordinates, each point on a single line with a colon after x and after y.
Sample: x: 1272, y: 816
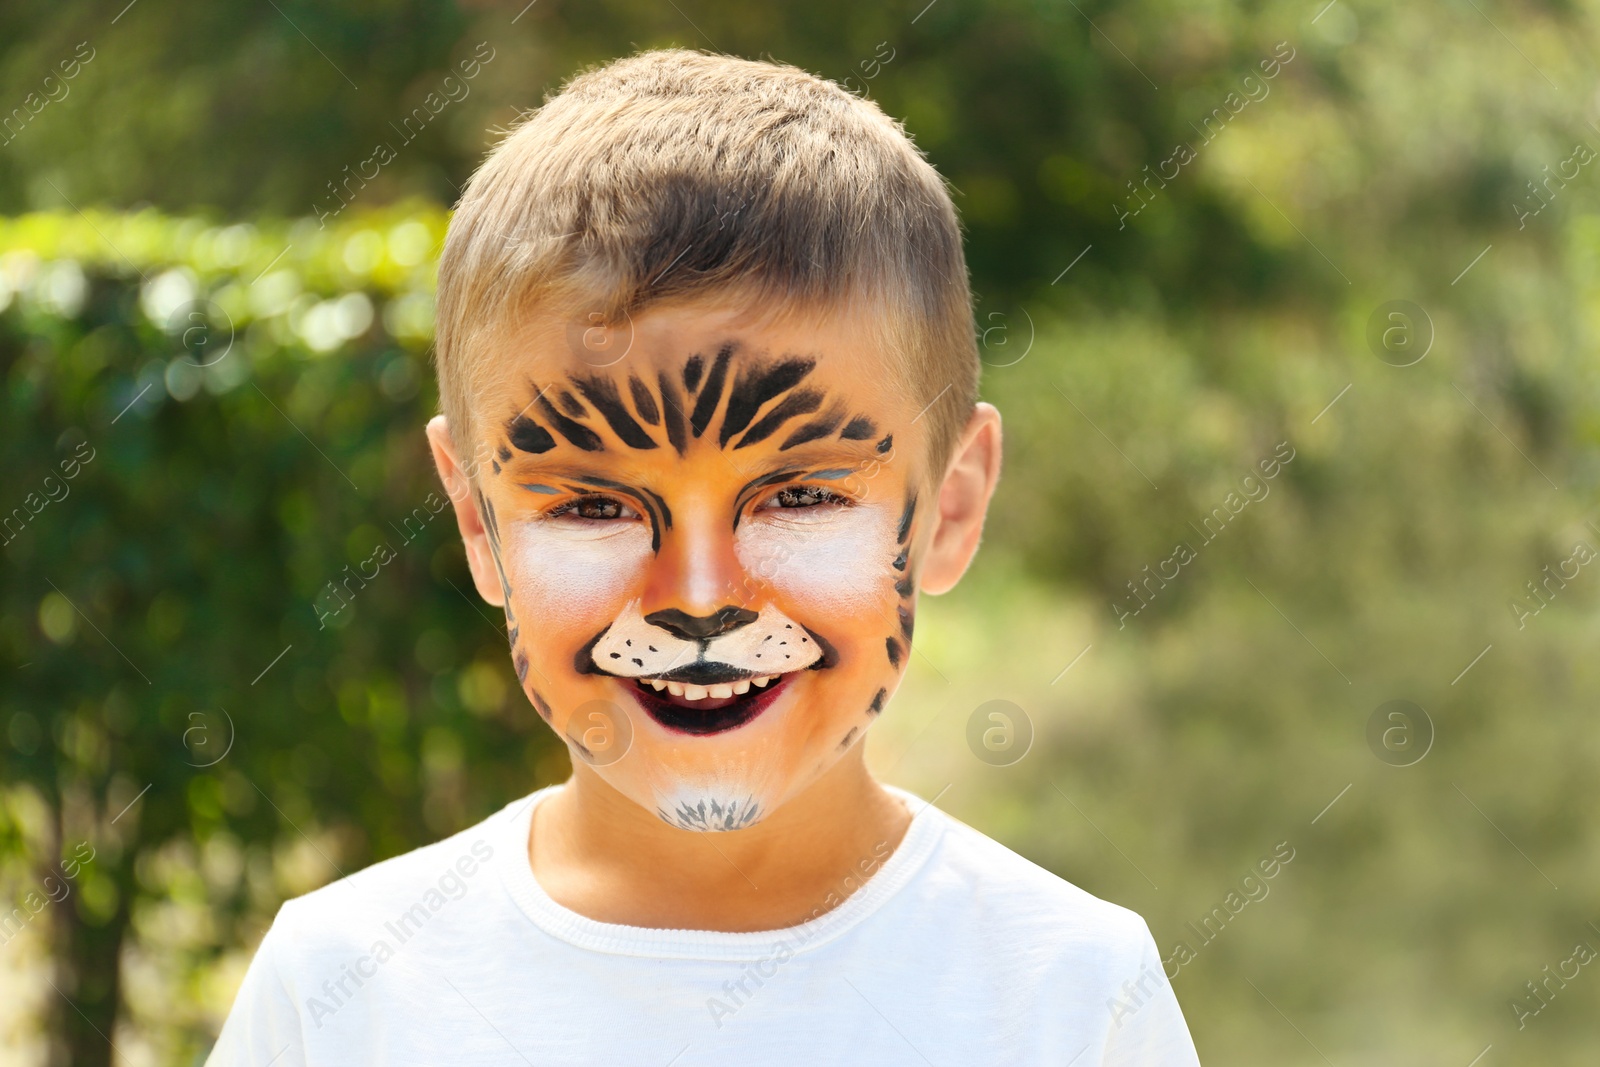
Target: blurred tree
x: 180, y: 613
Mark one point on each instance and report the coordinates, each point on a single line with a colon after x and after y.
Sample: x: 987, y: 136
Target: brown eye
x: 803, y: 496
x: 597, y: 508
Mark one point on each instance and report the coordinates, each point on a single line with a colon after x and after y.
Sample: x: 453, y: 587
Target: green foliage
x: 206, y: 436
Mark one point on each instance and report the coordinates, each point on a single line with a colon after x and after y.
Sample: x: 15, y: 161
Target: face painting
x: 705, y: 549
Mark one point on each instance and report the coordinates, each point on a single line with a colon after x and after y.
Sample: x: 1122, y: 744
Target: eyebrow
x: 578, y: 481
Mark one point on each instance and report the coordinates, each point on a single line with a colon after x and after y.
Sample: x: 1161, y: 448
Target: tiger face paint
x: 711, y: 538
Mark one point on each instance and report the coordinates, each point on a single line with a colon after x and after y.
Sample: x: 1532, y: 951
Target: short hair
x: 675, y: 175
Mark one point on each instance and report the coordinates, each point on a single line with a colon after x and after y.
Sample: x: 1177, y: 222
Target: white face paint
x: 725, y: 804
x: 772, y: 644
x: 573, y: 569
x: 835, y: 558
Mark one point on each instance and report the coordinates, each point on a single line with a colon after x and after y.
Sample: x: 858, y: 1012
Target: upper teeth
x: 701, y: 692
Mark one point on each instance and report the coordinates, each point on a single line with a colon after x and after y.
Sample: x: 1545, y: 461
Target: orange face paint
x: 705, y: 549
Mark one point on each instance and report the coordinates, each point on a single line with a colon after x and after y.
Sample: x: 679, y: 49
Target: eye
x: 593, y: 508
x: 803, y: 496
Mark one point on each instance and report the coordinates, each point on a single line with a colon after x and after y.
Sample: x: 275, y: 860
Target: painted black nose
x: 701, y: 627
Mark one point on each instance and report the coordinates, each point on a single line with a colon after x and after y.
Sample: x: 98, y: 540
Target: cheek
x: 839, y: 566
x: 564, y: 581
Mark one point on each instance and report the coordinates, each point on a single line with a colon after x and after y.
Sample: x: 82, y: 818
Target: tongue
x: 708, y: 704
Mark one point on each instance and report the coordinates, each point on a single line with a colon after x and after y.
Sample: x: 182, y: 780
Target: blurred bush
x: 240, y: 408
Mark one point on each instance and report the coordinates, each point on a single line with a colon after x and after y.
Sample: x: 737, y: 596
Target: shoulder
x: 1017, y: 900
x: 396, y: 898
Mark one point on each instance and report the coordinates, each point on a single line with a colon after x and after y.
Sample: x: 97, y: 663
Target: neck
x: 603, y: 856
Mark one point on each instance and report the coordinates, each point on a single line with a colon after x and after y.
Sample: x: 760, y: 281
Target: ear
x: 963, y: 501
x: 480, y: 559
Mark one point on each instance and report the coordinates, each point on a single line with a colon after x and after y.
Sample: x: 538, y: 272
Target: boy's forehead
x: 672, y: 377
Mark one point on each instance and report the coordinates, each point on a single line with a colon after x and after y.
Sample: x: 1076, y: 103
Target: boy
x: 708, y: 368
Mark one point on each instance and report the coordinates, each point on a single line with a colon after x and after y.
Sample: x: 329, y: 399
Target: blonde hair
x: 673, y: 175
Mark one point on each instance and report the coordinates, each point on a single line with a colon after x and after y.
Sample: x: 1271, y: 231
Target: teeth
x: 701, y: 692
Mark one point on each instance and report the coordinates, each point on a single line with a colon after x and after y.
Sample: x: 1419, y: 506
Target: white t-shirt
x: 955, y: 951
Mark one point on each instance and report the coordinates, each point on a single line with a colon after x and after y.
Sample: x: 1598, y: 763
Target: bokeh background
x: 1382, y: 260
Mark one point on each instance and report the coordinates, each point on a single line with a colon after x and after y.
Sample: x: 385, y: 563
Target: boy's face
x: 705, y: 533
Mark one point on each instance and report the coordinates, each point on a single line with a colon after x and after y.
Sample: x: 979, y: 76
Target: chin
x: 710, y: 807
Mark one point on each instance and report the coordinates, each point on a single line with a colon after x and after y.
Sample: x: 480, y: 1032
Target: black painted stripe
x: 691, y: 374
x: 577, y: 433
x: 539, y: 703
x: 799, y: 402
x: 753, y: 387
x: 858, y: 429
x: 705, y: 405
x: 529, y: 436
x: 603, y: 394
x: 643, y: 401
x: 672, y: 414
x: 486, y: 509
x: 894, y: 651
x: 821, y: 426
x: 905, y: 520
x: 877, y: 702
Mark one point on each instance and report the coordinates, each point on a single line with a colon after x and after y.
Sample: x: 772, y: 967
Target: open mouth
x: 707, y: 709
